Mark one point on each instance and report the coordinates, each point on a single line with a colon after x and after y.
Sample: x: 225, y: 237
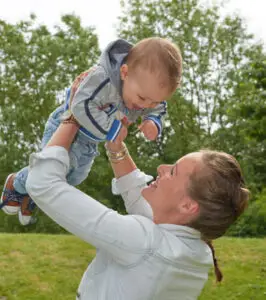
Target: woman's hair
x: 160, y: 56
x: 219, y: 189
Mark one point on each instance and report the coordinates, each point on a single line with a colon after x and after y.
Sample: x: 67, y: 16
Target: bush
x: 253, y: 221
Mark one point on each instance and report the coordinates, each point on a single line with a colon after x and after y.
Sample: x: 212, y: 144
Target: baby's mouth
x: 136, y: 107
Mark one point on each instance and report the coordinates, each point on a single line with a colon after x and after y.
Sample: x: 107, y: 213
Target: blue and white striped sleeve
x: 156, y: 115
x: 87, y: 103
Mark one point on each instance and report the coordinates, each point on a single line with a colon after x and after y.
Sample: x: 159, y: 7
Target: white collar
x: 182, y: 231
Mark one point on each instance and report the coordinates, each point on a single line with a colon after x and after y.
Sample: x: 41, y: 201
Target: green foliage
x: 221, y: 103
x: 36, y: 67
x: 213, y: 49
x: 253, y: 222
x: 247, y: 116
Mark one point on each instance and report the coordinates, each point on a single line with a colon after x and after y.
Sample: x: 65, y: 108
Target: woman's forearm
x: 123, y: 166
x: 64, y: 135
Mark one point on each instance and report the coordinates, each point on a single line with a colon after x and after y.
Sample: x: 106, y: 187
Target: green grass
x: 45, y: 267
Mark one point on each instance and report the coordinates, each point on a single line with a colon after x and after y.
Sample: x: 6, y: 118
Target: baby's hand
x: 149, y: 129
x: 126, y: 122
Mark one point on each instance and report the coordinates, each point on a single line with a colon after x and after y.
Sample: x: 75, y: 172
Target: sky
x: 102, y: 14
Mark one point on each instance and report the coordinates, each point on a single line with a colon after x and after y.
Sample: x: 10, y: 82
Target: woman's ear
x: 189, y: 207
x: 123, y: 71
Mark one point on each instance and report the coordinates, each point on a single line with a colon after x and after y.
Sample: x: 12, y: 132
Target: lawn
x: 45, y: 267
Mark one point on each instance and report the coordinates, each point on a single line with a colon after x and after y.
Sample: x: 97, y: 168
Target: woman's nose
x: 162, y: 169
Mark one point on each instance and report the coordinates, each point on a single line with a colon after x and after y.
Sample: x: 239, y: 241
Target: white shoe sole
x: 24, y: 220
x: 7, y: 209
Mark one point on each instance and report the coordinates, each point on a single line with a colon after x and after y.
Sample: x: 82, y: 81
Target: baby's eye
x: 141, y: 98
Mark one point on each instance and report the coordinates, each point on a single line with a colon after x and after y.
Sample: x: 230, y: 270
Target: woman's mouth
x: 153, y: 184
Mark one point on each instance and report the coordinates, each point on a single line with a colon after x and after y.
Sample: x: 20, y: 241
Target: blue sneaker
x: 10, y: 199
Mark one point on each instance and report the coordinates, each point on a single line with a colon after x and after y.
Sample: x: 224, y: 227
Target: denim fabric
x: 82, y: 154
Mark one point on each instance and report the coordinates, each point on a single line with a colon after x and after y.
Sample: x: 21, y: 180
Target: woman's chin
x: 147, y: 192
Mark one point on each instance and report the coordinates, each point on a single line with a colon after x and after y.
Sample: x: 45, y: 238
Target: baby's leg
x: 82, y: 154
x: 50, y: 127
x: 15, y: 197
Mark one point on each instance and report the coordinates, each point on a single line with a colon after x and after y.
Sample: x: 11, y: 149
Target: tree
x: 36, y: 67
x: 223, y: 88
x: 245, y: 132
x: 214, y: 48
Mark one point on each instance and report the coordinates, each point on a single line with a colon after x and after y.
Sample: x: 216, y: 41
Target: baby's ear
x: 123, y: 71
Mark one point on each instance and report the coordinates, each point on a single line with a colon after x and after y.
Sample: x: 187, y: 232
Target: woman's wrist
x: 116, y: 153
x: 114, y: 147
x: 119, y: 158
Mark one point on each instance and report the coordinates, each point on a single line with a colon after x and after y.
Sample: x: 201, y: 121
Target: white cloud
x: 100, y: 13
x: 253, y: 11
x: 103, y: 13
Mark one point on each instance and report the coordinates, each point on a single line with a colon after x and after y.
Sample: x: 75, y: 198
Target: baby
x: 128, y: 82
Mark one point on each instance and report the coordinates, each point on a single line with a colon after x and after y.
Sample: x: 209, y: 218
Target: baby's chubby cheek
x: 128, y: 102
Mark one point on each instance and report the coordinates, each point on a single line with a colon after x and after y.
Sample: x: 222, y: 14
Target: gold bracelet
x: 117, y: 160
x: 116, y: 156
x: 115, y: 152
x: 123, y: 148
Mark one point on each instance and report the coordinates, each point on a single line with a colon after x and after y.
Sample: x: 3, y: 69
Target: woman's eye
x: 172, y: 172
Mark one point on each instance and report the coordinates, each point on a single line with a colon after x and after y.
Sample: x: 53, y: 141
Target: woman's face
x: 168, y: 193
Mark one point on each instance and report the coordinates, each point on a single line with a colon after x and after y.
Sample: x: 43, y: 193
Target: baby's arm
x: 155, y: 115
x: 149, y: 129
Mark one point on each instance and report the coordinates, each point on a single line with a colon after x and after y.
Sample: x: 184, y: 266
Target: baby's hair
x: 159, y: 56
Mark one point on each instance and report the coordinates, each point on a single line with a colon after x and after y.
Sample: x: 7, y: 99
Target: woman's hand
x: 119, y: 157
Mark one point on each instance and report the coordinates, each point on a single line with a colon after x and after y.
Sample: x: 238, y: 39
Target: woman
x: 159, y: 251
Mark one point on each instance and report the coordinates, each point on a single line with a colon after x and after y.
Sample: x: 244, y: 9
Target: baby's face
x: 141, y: 89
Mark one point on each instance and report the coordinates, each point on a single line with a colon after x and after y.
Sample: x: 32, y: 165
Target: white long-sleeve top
x: 136, y: 259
